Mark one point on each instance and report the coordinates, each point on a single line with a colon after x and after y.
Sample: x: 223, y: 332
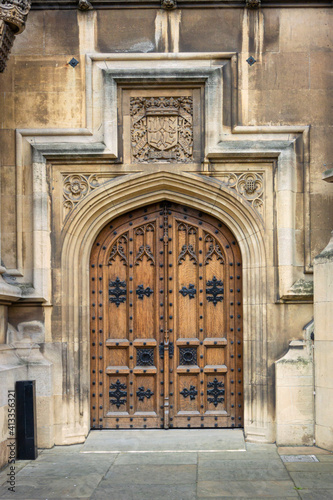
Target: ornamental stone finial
x: 253, y: 4
x: 168, y: 4
x: 14, y: 13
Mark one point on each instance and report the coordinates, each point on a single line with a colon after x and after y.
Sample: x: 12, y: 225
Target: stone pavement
x: 183, y: 469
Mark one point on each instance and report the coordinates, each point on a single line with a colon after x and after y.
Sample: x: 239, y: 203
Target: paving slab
x: 211, y: 462
x: 310, y: 467
x: 244, y: 456
x: 238, y: 473
x: 325, y: 458
x: 242, y: 498
x: 317, y: 494
x: 259, y: 447
x: 54, y: 487
x: 151, y: 440
x: 247, y: 489
x: 151, y: 474
x: 145, y: 492
x: 184, y: 458
x: 55, y: 465
x: 72, y: 448
x: 313, y: 480
x: 302, y: 450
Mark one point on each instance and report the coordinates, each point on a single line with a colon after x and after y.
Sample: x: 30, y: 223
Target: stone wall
x: 59, y: 98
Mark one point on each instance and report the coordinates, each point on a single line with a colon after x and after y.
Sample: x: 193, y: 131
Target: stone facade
x: 248, y: 92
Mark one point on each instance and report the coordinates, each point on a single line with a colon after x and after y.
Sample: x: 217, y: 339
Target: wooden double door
x: 166, y: 321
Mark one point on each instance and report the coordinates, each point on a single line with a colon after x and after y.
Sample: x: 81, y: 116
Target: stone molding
x: 99, y: 142
x: 186, y: 4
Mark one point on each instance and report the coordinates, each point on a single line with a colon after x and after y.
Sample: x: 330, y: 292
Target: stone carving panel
x: 250, y: 185
x: 76, y: 187
x: 162, y: 129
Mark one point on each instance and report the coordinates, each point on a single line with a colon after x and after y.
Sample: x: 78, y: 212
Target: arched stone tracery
x: 120, y: 196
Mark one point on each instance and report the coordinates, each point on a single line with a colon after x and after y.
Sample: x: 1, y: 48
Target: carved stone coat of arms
x: 162, y: 129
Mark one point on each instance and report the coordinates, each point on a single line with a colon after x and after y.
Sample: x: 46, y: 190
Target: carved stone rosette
x: 249, y: 185
x: 13, y: 15
x: 76, y: 187
x: 162, y: 129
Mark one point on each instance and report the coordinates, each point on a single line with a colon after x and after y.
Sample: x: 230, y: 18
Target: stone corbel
x: 13, y: 16
x: 8, y: 293
x: 84, y: 5
x: 253, y: 4
x: 168, y: 4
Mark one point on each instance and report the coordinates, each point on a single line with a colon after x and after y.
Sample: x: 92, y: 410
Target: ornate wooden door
x: 166, y: 322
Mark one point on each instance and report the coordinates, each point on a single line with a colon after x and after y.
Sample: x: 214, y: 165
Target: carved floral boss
x: 162, y: 129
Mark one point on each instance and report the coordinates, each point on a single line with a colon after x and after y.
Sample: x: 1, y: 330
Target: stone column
x: 323, y: 317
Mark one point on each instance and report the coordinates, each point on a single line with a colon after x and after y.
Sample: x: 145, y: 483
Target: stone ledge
x: 301, y: 291
x: 187, y: 4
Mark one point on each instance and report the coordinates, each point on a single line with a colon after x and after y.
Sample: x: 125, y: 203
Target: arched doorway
x: 166, y: 321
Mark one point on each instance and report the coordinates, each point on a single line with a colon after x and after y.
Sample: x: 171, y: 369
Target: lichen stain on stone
x: 297, y: 361
x: 144, y: 46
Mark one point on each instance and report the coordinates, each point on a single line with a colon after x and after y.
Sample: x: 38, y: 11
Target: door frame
x: 166, y: 229
x: 127, y: 193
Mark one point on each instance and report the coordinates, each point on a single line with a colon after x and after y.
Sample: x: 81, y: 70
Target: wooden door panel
x: 166, y: 322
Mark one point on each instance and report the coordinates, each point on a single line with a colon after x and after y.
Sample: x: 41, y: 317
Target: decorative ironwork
x: 119, y: 395
x: 251, y: 60
x: 170, y: 348
x: 162, y: 128
x: 190, y: 291
x: 73, y: 62
x: 216, y: 291
x: 118, y: 293
x: 141, y: 292
x: 145, y: 357
x: 119, y: 249
x: 213, y: 249
x: 187, y: 355
x: 192, y: 392
x: 215, y: 394
x: 142, y: 394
